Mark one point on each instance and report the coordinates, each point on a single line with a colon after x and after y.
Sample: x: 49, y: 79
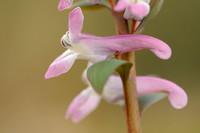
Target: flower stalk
x: 129, y: 83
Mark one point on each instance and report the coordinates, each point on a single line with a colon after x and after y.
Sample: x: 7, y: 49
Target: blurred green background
x: 30, y: 32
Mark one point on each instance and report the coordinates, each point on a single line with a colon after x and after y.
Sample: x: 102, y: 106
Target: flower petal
x: 75, y: 22
x: 137, y: 11
x: 123, y: 43
x: 95, y: 49
x: 147, y: 85
x: 64, y: 4
x: 113, y: 90
x: 83, y: 104
x: 61, y: 64
x: 133, y: 10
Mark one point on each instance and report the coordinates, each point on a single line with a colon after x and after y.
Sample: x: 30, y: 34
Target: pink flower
x: 88, y: 99
x: 95, y: 49
x: 134, y: 9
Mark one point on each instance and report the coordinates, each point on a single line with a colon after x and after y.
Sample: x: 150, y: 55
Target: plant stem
x: 129, y: 83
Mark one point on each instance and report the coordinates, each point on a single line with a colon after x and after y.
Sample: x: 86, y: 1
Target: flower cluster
x: 96, y: 49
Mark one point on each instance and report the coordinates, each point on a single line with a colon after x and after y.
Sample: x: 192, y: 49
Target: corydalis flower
x: 96, y: 49
x: 134, y: 9
x: 88, y: 100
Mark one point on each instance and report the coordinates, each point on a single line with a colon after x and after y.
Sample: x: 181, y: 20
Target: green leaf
x: 89, y: 6
x: 98, y: 73
x: 155, y: 9
x: 147, y: 100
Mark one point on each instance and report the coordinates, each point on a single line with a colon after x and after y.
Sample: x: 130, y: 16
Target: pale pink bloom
x: 88, y: 100
x: 96, y: 49
x: 134, y: 9
x: 83, y: 104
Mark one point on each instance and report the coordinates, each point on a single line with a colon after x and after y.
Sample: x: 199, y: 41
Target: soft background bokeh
x: 30, y: 32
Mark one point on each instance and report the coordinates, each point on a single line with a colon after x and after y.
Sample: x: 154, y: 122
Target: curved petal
x: 147, y: 84
x: 61, y: 64
x: 124, y: 43
x: 137, y: 11
x: 75, y: 22
x: 64, y: 4
x: 113, y: 90
x: 83, y: 104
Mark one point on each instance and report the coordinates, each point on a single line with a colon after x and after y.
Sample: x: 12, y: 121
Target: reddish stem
x: 129, y: 84
x: 111, y: 4
x: 133, y: 26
